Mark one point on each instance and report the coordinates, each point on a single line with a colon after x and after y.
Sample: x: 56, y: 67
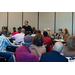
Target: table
x: 69, y: 59
x: 8, y: 37
x: 33, y: 35
x: 59, y: 40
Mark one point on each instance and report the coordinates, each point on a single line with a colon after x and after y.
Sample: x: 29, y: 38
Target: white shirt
x: 19, y: 37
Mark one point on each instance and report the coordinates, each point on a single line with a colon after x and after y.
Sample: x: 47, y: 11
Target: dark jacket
x: 27, y: 29
x: 53, y: 56
x: 34, y: 32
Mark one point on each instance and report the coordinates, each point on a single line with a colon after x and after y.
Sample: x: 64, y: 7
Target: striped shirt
x: 4, y: 41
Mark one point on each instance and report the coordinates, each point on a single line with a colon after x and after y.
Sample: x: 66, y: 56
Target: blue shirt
x: 4, y: 41
x: 53, y: 56
x: 18, y: 37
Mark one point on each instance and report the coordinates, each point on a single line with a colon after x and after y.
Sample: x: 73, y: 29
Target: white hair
x: 44, y: 29
x: 58, y: 46
x: 48, y: 28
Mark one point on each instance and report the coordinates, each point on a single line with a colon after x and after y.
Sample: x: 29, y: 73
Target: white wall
x: 74, y: 24
x: 64, y: 20
x: 14, y: 20
x: 3, y: 19
x: 32, y: 17
x: 46, y: 20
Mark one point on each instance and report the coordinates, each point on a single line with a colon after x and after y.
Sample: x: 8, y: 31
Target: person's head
x: 45, y: 33
x: 44, y: 29
x: 4, y: 32
x: 19, y: 29
x: 71, y: 43
x: 38, y: 32
x: 60, y: 31
x: 33, y: 28
x: 26, y: 23
x: 28, y: 40
x: 23, y: 30
x: 14, y: 29
x: 3, y: 28
x: 65, y: 31
x: 6, y: 27
x: 38, y: 40
x: 48, y: 29
x: 58, y: 47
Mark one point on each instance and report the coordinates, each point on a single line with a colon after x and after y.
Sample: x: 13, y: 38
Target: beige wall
x: 14, y: 20
x: 32, y: 17
x: 3, y: 19
x: 46, y: 20
x: 64, y: 20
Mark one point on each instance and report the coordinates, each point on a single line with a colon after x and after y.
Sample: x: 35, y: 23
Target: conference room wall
x: 46, y: 20
x: 32, y: 17
x: 64, y: 20
x: 3, y: 19
x: 14, y: 20
x: 74, y: 23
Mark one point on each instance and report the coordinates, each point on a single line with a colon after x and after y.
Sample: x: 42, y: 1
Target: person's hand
x: 16, y: 44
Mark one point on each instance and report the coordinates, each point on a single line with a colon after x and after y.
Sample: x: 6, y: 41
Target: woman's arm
x: 36, y: 49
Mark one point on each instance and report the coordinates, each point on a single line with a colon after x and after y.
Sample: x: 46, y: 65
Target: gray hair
x: 23, y: 30
x: 58, y: 46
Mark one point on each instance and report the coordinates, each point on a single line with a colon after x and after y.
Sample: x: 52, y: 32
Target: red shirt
x: 48, y: 41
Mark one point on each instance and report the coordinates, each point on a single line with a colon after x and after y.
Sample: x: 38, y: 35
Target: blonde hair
x: 27, y: 21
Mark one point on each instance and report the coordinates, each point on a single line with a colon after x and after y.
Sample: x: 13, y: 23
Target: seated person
x: 4, y: 41
x: 38, y: 44
x: 47, y: 41
x: 14, y: 31
x: 69, y: 50
x: 34, y: 30
x: 44, y: 30
x: 3, y: 28
x: 59, y: 35
x: 19, y: 37
x: 54, y: 55
x: 19, y: 30
x: 65, y: 34
x: 8, y: 32
x: 23, y: 54
x: 38, y: 32
x: 49, y: 33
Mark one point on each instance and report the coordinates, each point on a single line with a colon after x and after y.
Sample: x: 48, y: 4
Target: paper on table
x: 59, y: 40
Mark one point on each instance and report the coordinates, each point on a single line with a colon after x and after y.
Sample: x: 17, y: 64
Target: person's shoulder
x: 23, y: 26
x: 64, y: 58
x: 29, y: 26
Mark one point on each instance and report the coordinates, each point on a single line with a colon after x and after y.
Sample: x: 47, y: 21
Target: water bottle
x: 71, y: 59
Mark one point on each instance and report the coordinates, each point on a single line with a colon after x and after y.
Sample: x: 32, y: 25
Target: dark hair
x: 60, y: 29
x: 4, y: 32
x: 38, y: 40
x: 14, y: 28
x: 45, y: 33
x: 38, y: 31
x: 4, y: 27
